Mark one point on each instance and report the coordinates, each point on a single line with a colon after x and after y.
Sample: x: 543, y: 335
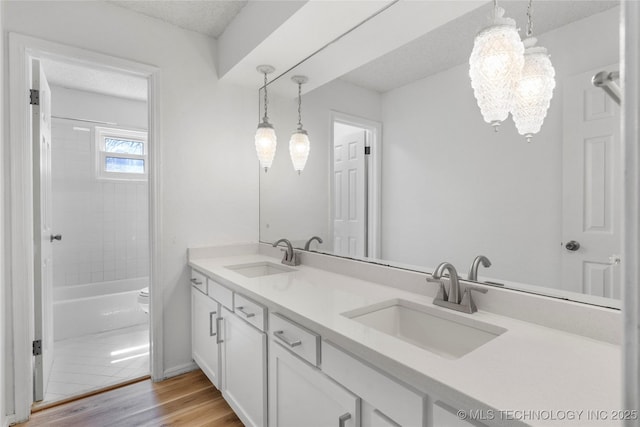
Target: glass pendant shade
x: 495, y: 66
x: 534, y: 90
x: 299, y: 147
x: 266, y: 143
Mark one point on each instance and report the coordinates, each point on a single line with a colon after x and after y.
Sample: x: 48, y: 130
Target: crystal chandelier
x: 299, y: 144
x: 534, y: 90
x: 266, y: 140
x: 495, y: 66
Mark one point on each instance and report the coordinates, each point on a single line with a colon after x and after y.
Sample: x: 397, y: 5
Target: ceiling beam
x: 316, y: 23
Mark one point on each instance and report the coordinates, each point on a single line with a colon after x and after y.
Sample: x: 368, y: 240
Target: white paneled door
x: 349, y: 194
x: 592, y: 194
x: 42, y: 230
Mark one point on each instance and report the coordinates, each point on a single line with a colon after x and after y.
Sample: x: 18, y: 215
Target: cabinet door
x: 244, y: 350
x: 378, y: 419
x: 204, y: 350
x: 301, y: 395
x: 446, y: 416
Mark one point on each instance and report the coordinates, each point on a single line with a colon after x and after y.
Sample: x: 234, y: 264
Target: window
x: 121, y: 154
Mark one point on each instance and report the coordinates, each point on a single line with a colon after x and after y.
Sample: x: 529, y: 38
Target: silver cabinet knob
x: 572, y: 246
x: 55, y: 237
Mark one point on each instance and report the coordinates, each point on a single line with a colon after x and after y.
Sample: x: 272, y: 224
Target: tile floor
x: 95, y: 361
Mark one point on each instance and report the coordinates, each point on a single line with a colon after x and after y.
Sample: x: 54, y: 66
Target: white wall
x: 104, y: 223
x: 453, y: 189
x: 209, y: 173
x: 297, y: 206
x: 3, y: 382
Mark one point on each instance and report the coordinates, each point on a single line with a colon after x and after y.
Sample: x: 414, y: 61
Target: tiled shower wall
x: 104, y: 223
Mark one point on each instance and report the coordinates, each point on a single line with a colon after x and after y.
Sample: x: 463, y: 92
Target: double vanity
x: 308, y: 346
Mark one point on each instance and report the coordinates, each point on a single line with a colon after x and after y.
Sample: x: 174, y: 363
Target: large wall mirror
x: 438, y: 184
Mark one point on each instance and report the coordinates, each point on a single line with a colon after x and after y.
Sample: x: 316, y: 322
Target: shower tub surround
x: 530, y: 375
x: 103, y: 223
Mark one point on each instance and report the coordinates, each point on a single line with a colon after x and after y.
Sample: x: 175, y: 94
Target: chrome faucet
x: 452, y: 299
x: 473, y: 271
x: 308, y: 244
x: 290, y: 256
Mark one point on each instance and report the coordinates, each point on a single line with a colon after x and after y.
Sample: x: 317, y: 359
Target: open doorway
x: 91, y: 226
x: 31, y: 355
x: 355, y: 186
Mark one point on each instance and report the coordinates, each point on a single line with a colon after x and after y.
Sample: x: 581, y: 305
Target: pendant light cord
x: 530, y: 19
x: 299, y: 106
x: 266, y: 118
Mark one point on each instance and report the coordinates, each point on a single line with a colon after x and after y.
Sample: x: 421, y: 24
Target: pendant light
x: 534, y: 90
x: 266, y: 140
x: 299, y: 144
x: 495, y: 65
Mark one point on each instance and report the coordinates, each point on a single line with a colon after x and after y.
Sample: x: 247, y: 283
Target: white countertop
x: 528, y: 368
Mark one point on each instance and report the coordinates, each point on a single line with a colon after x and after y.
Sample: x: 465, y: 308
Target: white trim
x: 180, y: 369
x: 21, y: 49
x: 374, y: 179
x: 21, y: 220
x: 630, y: 77
x: 156, y: 313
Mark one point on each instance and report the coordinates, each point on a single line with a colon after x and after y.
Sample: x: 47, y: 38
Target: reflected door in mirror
x: 349, y: 191
x: 591, y: 188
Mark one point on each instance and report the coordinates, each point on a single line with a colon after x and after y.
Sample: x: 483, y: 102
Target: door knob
x: 55, y: 237
x: 572, y: 246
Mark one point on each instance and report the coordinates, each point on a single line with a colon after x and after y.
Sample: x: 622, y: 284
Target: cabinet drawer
x: 295, y: 338
x: 221, y: 294
x: 250, y: 311
x: 397, y: 402
x: 199, y: 281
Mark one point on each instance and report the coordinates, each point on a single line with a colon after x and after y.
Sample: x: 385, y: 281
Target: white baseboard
x: 180, y: 369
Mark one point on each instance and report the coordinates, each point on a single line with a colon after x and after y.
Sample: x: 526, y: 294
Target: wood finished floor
x: 187, y: 400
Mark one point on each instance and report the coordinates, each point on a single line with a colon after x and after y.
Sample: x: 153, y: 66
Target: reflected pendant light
x: 495, y: 65
x: 266, y: 140
x: 299, y: 144
x: 535, y: 88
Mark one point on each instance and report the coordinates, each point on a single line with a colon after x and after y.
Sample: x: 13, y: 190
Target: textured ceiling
x: 209, y: 17
x: 451, y: 44
x: 75, y: 76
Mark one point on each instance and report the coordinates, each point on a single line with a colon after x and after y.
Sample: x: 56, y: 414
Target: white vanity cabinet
x: 230, y: 348
x: 386, y: 402
x: 244, y: 364
x: 204, y: 335
x: 301, y: 395
x: 303, y: 380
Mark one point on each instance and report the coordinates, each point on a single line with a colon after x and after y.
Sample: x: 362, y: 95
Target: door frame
x: 21, y: 248
x: 630, y: 70
x: 374, y: 177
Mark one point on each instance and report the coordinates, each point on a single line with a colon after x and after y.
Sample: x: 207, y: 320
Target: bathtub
x: 97, y: 307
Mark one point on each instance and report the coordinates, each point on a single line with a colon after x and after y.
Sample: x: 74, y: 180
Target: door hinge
x: 37, y: 347
x: 367, y: 151
x: 34, y: 97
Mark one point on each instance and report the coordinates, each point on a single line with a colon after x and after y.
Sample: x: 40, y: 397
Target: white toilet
x: 143, y: 299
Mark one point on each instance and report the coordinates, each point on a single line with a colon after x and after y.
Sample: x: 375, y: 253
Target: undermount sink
x: 446, y: 334
x: 258, y: 269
